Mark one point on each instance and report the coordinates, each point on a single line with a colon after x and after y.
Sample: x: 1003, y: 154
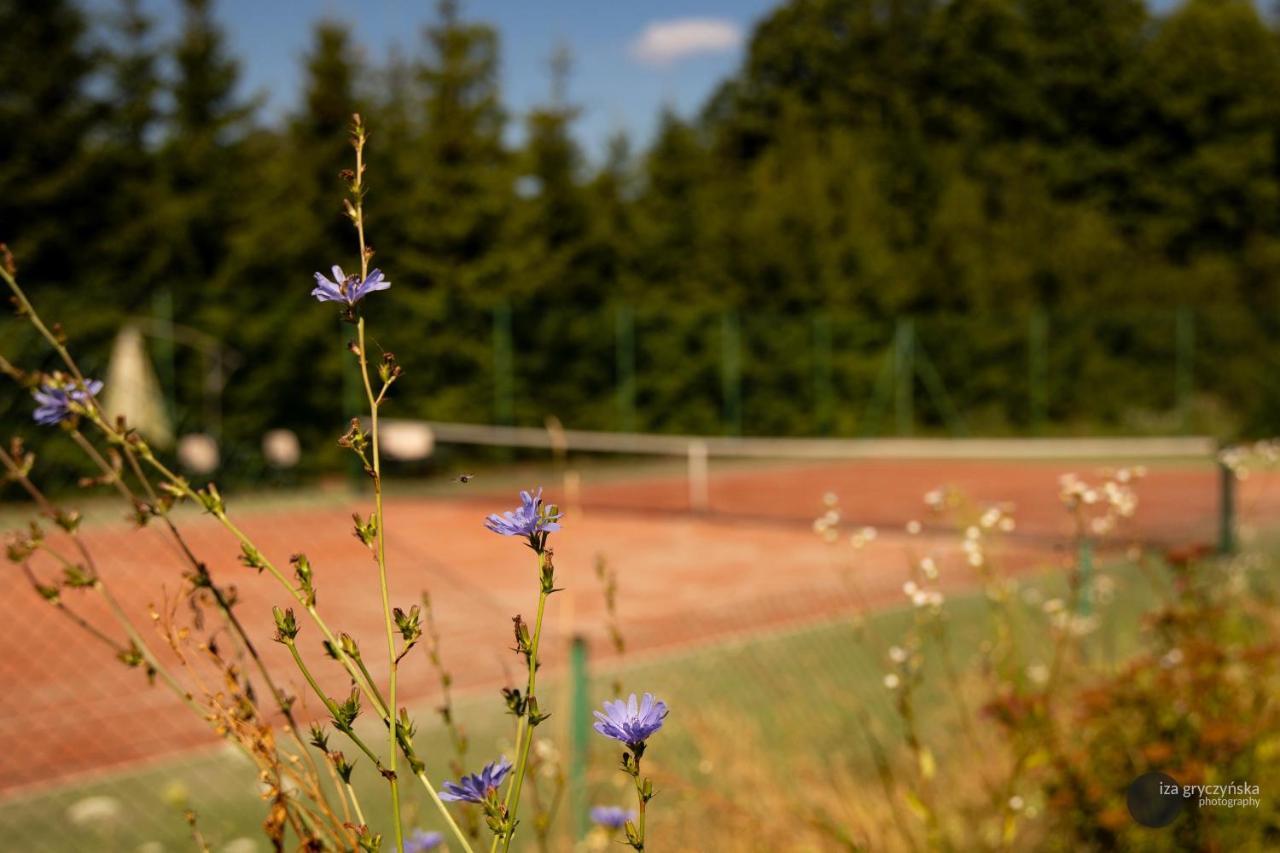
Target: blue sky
x: 617, y: 85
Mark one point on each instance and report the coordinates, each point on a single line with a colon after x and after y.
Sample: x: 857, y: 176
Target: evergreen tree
x: 45, y: 161
x: 127, y: 172
x: 560, y: 269
x: 443, y: 228
x: 200, y: 160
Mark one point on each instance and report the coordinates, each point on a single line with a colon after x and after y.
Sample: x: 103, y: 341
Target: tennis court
x: 686, y: 578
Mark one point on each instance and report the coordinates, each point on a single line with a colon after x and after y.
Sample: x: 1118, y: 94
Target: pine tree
x: 45, y: 161
x: 560, y: 270
x: 443, y: 227
x: 200, y: 159
x: 128, y: 169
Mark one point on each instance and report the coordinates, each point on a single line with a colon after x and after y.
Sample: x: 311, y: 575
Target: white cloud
x: 668, y: 42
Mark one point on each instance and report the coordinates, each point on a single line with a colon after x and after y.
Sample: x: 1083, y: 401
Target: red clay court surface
x: 752, y: 562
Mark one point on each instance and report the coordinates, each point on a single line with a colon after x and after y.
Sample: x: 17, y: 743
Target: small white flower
x: 910, y: 588
x: 892, y: 681
x: 897, y: 654
x: 1016, y: 803
x: 1007, y: 524
x: 91, y: 810
x: 929, y: 568
x: 829, y: 499
x: 1038, y: 673
x: 913, y: 527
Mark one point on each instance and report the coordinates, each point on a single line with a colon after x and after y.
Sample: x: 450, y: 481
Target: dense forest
x: 948, y: 216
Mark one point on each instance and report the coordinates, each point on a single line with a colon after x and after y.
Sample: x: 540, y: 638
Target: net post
x: 579, y: 725
x: 699, y: 488
x: 1226, y: 508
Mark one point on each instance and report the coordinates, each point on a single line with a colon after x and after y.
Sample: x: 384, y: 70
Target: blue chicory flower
x: 421, y: 841
x: 529, y: 519
x: 476, y: 787
x: 345, y: 288
x: 611, y: 817
x: 55, y: 400
x: 631, y: 722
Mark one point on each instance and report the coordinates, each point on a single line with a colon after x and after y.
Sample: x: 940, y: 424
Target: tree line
x: 1070, y: 210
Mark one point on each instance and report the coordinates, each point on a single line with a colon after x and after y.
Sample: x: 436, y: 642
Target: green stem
x: 368, y: 677
x: 524, y: 732
x: 330, y: 704
x: 439, y: 803
x: 640, y: 804
x: 392, y: 728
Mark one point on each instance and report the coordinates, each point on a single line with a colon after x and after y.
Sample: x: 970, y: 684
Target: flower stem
x: 381, y: 544
x: 524, y: 730
x: 641, y: 802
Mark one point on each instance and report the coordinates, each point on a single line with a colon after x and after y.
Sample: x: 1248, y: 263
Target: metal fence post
x: 625, y: 364
x: 822, y: 380
x: 1226, y: 509
x: 1038, y: 368
x: 503, y: 364
x: 1084, y: 573
x: 579, y: 726
x: 1184, y: 364
x: 165, y: 349
x: 731, y: 372
x: 904, y: 376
